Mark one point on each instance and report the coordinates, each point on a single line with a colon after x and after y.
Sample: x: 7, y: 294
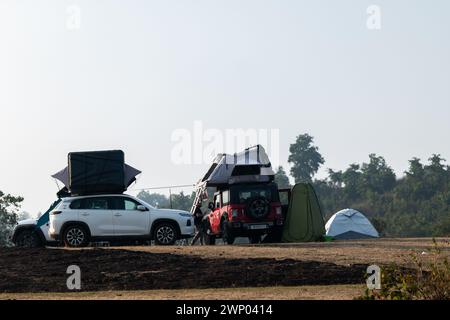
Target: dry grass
x: 335, y: 292
x: 377, y: 251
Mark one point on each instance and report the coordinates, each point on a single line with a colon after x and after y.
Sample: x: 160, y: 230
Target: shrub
x: 428, y: 279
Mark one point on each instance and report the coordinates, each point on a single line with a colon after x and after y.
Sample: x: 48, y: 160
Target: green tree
x: 281, y: 178
x: 377, y: 176
x: 336, y: 178
x: 416, y: 169
x: 435, y: 173
x: 305, y: 158
x: 179, y: 200
x: 352, y: 180
x: 155, y: 199
x: 9, y: 207
x: 182, y: 202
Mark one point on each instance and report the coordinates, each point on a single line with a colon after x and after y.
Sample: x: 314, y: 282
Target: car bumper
x: 54, y: 236
x: 244, y: 228
x: 187, y: 231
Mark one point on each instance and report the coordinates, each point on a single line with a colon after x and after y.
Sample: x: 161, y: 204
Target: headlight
x: 185, y: 214
x: 234, y: 213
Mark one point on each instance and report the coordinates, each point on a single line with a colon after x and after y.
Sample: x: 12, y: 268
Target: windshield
x: 242, y: 193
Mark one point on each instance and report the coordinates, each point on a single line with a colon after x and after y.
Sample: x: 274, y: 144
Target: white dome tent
x: 350, y: 224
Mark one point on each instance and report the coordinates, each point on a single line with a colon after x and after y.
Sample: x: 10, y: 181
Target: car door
x: 128, y: 220
x: 225, y: 198
x: 96, y: 213
x: 215, y: 226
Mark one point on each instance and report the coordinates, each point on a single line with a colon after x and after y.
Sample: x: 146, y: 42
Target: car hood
x: 27, y: 222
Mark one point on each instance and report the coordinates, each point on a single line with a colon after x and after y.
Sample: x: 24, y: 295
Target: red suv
x: 244, y: 210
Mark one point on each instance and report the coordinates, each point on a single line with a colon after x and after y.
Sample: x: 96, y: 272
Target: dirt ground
x: 374, y: 251
x: 297, y: 271
x: 44, y: 270
x: 331, y: 292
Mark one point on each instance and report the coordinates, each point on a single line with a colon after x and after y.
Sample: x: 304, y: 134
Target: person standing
x: 198, y: 222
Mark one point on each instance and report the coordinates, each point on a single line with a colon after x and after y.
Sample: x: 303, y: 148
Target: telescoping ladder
x: 201, y: 193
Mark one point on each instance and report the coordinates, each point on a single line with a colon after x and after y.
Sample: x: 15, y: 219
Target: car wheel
x: 227, y: 237
x: 166, y: 234
x: 76, y: 236
x: 28, y: 239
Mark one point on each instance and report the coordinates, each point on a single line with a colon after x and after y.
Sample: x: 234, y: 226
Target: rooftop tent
x: 304, y: 221
x: 250, y: 165
x: 350, y: 224
x: 96, y: 172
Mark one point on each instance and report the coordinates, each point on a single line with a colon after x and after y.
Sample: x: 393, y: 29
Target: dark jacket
x: 198, y: 216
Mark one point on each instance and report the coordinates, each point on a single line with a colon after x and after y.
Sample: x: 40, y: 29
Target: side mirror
x: 141, y: 208
x: 211, y: 206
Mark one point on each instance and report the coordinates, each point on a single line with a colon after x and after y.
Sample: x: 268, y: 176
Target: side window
x: 226, y: 198
x: 130, y: 205
x: 217, y: 201
x: 75, y: 205
x: 95, y: 204
x: 125, y: 204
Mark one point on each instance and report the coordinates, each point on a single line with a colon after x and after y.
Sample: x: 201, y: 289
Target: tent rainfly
x: 350, y: 224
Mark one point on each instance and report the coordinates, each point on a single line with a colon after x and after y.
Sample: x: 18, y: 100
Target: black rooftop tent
x: 96, y: 172
x: 250, y: 165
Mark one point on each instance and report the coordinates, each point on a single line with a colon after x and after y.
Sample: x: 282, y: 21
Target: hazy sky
x: 135, y: 71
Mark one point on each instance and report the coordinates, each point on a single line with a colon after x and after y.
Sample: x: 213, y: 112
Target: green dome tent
x: 304, y: 221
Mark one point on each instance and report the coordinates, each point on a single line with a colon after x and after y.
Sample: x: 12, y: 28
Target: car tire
x: 227, y: 237
x: 28, y: 239
x: 257, y: 208
x: 165, y: 234
x: 75, y: 236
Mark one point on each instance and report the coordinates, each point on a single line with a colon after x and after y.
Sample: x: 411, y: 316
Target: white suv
x: 77, y: 221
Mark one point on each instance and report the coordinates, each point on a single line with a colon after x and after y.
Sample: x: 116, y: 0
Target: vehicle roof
x: 245, y: 184
x: 97, y: 196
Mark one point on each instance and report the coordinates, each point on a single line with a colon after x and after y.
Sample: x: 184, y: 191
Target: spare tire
x: 258, y: 208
